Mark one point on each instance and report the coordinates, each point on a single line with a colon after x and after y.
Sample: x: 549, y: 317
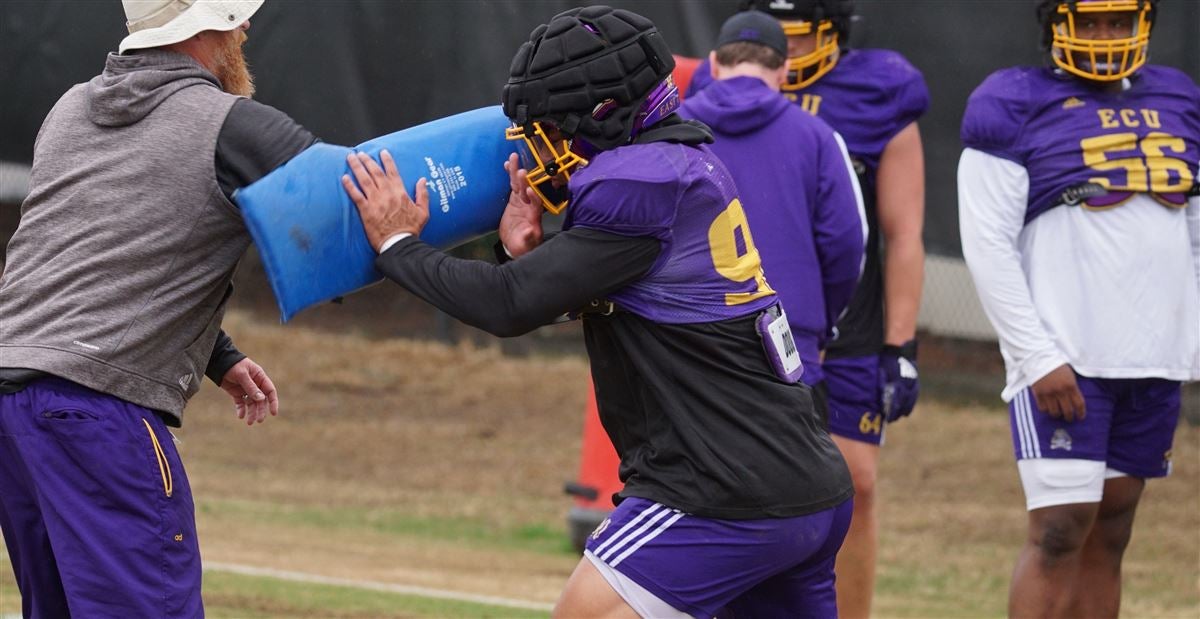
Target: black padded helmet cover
x: 580, y: 59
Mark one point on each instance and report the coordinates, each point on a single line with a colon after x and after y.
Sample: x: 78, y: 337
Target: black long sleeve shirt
x: 561, y: 275
x: 255, y: 139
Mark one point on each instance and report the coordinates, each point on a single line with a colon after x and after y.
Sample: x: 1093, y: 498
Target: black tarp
x: 353, y: 69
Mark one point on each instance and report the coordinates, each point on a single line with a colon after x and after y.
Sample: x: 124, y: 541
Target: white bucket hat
x: 153, y: 23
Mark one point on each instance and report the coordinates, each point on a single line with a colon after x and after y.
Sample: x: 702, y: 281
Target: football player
x: 802, y: 201
x: 1085, y: 249
x: 873, y: 99
x: 735, y: 498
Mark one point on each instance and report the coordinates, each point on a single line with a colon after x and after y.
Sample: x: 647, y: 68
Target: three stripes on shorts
x: 647, y: 525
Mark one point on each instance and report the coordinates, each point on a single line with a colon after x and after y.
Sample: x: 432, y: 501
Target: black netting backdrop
x: 350, y: 70
x: 354, y: 69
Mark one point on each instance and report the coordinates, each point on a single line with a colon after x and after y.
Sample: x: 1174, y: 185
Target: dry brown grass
x: 441, y: 466
x: 952, y: 519
x: 382, y: 423
x: 467, y: 433
x: 386, y: 428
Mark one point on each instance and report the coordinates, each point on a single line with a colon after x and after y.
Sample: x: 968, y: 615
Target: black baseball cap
x: 754, y: 27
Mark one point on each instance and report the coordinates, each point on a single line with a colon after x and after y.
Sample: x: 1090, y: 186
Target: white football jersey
x: 1115, y: 293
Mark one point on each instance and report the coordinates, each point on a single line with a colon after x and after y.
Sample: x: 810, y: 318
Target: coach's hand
x: 1057, y: 394
x: 253, y: 393
x: 521, y: 225
x: 382, y: 201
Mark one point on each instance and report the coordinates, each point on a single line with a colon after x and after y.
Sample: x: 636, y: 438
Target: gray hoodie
x: 118, y: 274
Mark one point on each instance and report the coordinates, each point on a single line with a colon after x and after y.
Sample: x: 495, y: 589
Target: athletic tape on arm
x: 309, y: 234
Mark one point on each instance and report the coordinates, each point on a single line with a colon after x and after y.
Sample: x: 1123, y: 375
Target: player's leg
x: 805, y: 590
x: 1140, y: 438
x: 1049, y: 563
x: 630, y: 566
x: 1062, y: 469
x: 1098, y: 583
x: 857, y: 428
x: 856, y: 560
x: 590, y: 593
x: 116, y: 503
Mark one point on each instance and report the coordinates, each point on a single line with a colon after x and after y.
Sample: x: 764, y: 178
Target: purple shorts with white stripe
x: 772, y: 567
x: 1130, y: 425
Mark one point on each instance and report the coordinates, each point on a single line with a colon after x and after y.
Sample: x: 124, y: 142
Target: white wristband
x: 392, y: 240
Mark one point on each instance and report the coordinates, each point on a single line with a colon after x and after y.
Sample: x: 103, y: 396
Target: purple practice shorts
x: 1130, y: 425
x: 774, y: 567
x: 853, y: 384
x: 95, y: 507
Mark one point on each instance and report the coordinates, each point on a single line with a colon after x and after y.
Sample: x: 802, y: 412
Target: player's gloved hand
x: 898, y: 380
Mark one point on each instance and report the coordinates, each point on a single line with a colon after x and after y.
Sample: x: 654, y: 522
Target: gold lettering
x: 1167, y: 174
x: 1103, y: 153
x: 723, y: 235
x: 1152, y: 119
x: 1129, y: 117
x: 1108, y: 118
x: 811, y: 104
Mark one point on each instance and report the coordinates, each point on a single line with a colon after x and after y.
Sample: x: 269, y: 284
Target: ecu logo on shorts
x: 600, y: 528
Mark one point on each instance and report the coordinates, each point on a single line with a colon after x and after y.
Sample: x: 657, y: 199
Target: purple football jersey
x: 1067, y: 132
x: 801, y: 204
x: 868, y: 97
x: 709, y: 269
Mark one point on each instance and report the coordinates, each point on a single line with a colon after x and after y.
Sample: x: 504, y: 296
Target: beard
x: 232, y: 69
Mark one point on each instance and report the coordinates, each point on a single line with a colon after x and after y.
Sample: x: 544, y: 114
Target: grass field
x: 442, y: 467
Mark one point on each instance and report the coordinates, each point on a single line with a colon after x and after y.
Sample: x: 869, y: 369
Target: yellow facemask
x: 1095, y: 59
x: 554, y: 158
x: 807, y: 69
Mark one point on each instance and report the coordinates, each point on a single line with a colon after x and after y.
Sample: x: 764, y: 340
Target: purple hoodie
x: 800, y: 196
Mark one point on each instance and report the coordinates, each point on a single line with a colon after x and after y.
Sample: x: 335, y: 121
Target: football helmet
x: 1101, y: 60
x: 829, y: 20
x: 588, y: 81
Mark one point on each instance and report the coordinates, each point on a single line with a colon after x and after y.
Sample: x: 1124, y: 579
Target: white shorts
x: 1063, y: 481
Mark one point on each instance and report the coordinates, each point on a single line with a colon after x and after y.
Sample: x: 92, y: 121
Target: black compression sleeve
x: 510, y: 299
x: 224, y: 356
x: 255, y: 139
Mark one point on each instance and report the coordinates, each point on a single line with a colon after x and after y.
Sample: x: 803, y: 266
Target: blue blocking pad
x: 308, y: 230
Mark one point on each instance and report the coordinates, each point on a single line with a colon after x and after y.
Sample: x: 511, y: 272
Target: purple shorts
x: 95, y: 506
x: 853, y: 384
x: 1130, y: 425
x: 774, y: 567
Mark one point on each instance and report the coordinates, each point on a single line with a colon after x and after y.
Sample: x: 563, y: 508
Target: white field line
x: 370, y: 585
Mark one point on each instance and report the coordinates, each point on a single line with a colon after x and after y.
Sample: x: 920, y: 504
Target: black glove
x: 898, y: 381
